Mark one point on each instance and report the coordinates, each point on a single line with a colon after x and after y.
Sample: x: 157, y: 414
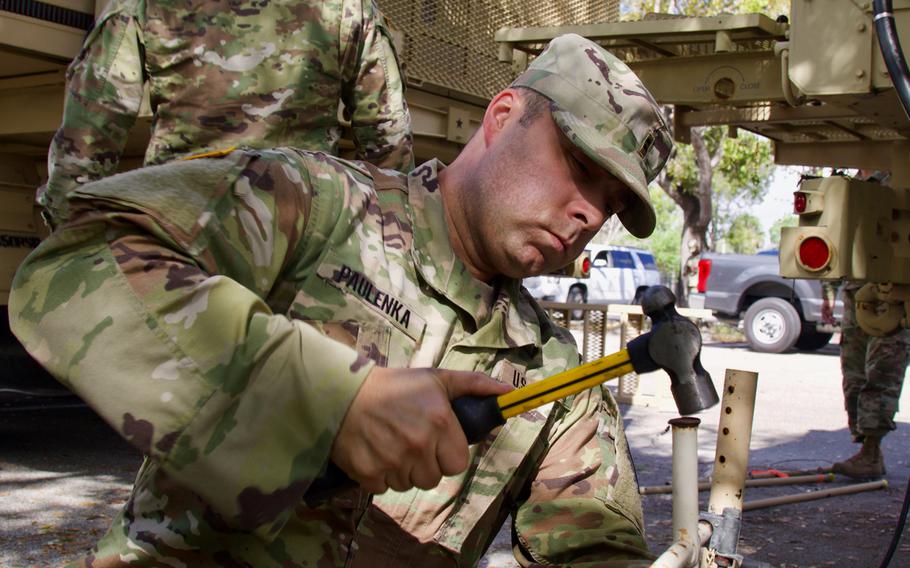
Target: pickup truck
x: 619, y: 275
x: 777, y: 313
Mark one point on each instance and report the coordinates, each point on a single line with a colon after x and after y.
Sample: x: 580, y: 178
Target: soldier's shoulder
x: 326, y: 168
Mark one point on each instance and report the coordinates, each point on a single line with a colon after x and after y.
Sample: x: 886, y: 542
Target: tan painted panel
x: 830, y: 47
x: 719, y: 78
x: 28, y: 111
x: 866, y: 225
x: 18, y: 230
x: 16, y: 208
x: 60, y: 43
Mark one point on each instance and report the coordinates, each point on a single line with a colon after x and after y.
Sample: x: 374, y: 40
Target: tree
x: 733, y: 172
x: 634, y: 9
x: 774, y: 232
x: 745, y: 234
x: 664, y: 242
x: 715, y: 170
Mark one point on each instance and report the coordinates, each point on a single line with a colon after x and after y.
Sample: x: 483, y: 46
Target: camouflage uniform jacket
x: 221, y: 74
x: 226, y: 337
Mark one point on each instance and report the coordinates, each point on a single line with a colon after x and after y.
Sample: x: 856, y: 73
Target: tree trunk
x: 696, y: 205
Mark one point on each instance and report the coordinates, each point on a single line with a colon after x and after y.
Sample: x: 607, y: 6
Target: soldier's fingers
x: 400, y: 479
x: 426, y: 473
x: 375, y: 485
x: 452, y: 450
x: 461, y: 383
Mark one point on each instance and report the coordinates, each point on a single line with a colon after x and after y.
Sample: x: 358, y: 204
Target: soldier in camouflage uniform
x: 873, y: 374
x: 245, y: 320
x: 221, y: 74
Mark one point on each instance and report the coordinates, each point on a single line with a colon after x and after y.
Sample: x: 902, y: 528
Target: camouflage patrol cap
x: 604, y: 109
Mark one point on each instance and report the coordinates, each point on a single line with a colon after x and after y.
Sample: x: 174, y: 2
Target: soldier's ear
x: 504, y: 108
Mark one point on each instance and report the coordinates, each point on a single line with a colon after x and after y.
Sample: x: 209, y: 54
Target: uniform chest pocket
x: 362, y: 310
x: 372, y: 340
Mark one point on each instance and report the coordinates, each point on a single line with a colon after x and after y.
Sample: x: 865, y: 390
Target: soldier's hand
x: 400, y: 431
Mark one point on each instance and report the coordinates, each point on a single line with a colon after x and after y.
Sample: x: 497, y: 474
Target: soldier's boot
x: 868, y: 463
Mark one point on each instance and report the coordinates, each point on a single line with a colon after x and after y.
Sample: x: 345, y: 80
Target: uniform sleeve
x: 373, y: 93
x: 583, y: 507
x: 162, y: 323
x: 104, y: 92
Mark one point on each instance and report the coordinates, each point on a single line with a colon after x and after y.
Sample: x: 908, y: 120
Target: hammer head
x: 674, y: 345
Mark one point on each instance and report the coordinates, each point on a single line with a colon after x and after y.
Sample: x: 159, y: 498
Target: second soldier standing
x: 222, y: 74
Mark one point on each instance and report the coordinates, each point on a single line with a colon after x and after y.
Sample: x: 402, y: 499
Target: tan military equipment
x: 579, y: 268
x: 817, y: 85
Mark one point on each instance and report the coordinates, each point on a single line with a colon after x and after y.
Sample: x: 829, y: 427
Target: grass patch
x: 722, y: 332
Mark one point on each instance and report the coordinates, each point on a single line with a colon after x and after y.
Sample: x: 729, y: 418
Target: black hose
x: 899, y: 530
x: 890, y: 45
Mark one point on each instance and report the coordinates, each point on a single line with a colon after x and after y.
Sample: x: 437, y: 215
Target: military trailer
x: 817, y: 85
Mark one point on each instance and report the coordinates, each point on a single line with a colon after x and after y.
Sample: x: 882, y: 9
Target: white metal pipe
x: 685, y: 485
x: 761, y: 482
x: 733, y: 436
x: 677, y: 556
x: 813, y: 495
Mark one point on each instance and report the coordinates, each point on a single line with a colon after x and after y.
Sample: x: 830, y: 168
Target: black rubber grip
x: 478, y: 416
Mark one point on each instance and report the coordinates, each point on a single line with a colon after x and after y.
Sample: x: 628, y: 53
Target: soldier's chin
x: 536, y: 267
x: 531, y: 261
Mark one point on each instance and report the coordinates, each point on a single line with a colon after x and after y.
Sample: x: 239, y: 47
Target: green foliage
x: 634, y: 9
x: 774, y: 232
x: 745, y: 235
x: 740, y: 179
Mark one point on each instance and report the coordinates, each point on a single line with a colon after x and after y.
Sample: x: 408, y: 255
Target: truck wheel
x: 811, y: 340
x: 772, y: 325
x: 577, y: 295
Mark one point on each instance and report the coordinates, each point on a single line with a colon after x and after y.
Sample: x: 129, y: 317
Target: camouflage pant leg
x: 873, y: 370
x: 877, y: 403
x: 853, y: 346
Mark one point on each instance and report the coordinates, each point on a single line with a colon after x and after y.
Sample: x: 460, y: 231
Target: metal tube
x: 760, y: 482
x: 733, y: 436
x: 762, y: 474
x: 677, y: 556
x: 813, y: 495
x: 685, y: 484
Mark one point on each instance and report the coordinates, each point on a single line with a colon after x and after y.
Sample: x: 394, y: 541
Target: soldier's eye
x: 580, y: 166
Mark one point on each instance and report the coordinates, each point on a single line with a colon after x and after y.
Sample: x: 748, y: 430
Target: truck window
x: 647, y: 260
x: 622, y: 259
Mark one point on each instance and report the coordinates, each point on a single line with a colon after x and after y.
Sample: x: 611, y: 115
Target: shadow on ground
x: 850, y: 530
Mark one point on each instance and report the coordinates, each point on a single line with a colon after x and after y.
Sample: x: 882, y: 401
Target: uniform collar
x: 503, y: 319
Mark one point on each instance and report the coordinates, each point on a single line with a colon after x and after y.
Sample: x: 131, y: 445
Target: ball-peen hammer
x: 673, y: 344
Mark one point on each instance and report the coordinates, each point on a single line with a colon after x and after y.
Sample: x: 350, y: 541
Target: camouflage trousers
x: 873, y: 374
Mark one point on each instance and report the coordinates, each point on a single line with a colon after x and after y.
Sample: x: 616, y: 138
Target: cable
x: 890, y: 45
x: 899, y: 530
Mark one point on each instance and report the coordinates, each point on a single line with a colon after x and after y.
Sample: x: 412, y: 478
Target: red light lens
x: 704, y: 270
x: 586, y: 266
x: 814, y: 253
x: 799, y: 202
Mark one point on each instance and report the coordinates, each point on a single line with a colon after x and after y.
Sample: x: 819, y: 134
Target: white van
x: 619, y: 275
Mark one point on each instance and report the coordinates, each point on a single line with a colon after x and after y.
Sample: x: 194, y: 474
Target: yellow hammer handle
x: 564, y: 384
